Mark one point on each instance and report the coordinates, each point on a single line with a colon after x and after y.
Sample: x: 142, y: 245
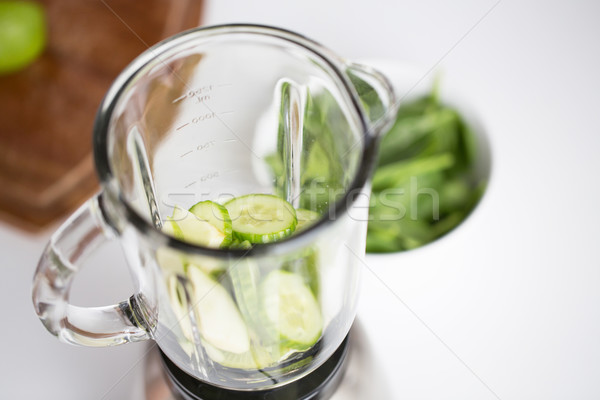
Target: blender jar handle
x: 366, y: 80
x: 80, y: 235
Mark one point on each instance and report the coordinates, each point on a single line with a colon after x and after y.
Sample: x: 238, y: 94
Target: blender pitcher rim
x: 104, y: 114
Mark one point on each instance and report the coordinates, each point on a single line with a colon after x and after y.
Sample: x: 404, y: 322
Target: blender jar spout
x: 376, y: 97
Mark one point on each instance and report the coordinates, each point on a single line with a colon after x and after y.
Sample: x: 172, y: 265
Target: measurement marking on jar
x: 179, y: 98
x: 189, y: 184
x: 182, y: 126
x: 229, y: 140
x: 226, y: 112
x: 224, y: 84
x: 203, y: 117
x: 202, y: 99
x: 185, y: 154
x: 197, y: 120
x: 209, y: 176
x: 205, y: 146
x: 199, y: 94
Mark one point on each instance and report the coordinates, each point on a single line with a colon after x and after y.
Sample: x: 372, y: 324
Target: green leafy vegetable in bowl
x: 22, y: 34
x: 424, y: 185
x: 426, y: 182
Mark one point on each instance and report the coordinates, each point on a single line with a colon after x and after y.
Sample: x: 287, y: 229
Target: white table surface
x: 508, y: 305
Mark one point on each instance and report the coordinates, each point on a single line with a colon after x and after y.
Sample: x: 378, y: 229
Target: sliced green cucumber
x: 257, y: 358
x: 210, y: 265
x: 170, y: 261
x: 196, y: 231
x: 245, y: 279
x: 171, y: 228
x: 219, y: 320
x: 306, y: 266
x: 306, y: 218
x: 173, y: 261
x: 245, y: 276
x: 291, y: 307
x: 216, y: 215
x: 179, y: 305
x: 261, y: 218
x: 239, y: 245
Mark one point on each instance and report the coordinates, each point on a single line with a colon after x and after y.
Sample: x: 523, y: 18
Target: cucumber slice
x: 195, y: 230
x: 180, y: 318
x: 292, y: 309
x: 174, y: 261
x: 236, y: 244
x: 220, y: 321
x: 307, y: 266
x: 257, y: 358
x: 170, y: 261
x: 210, y: 265
x: 171, y: 228
x: 216, y: 215
x: 179, y: 306
x: 261, y: 218
x: 245, y: 278
x: 306, y: 218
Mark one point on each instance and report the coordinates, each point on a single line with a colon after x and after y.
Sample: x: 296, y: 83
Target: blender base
x: 320, y: 384
x: 359, y: 377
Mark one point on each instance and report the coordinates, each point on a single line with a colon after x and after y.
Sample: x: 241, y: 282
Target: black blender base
x: 320, y: 384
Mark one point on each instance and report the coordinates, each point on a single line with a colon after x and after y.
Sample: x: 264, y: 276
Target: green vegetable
x: 261, y: 218
x: 246, y: 318
x: 305, y: 218
x: 220, y: 321
x: 186, y: 226
x: 291, y: 308
x: 306, y: 265
x: 217, y: 216
x: 247, y: 315
x: 423, y: 186
x: 22, y: 34
x: 327, y: 141
x: 256, y: 358
x: 257, y: 218
x: 393, y: 175
x: 171, y: 228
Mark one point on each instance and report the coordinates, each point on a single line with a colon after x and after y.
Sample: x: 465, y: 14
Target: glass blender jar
x: 211, y: 114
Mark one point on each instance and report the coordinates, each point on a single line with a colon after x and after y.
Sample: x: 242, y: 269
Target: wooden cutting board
x: 47, y: 110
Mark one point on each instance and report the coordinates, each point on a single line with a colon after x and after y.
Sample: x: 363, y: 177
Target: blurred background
x: 505, y: 307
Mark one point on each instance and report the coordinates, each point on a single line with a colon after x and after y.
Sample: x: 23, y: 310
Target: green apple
x: 22, y: 34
